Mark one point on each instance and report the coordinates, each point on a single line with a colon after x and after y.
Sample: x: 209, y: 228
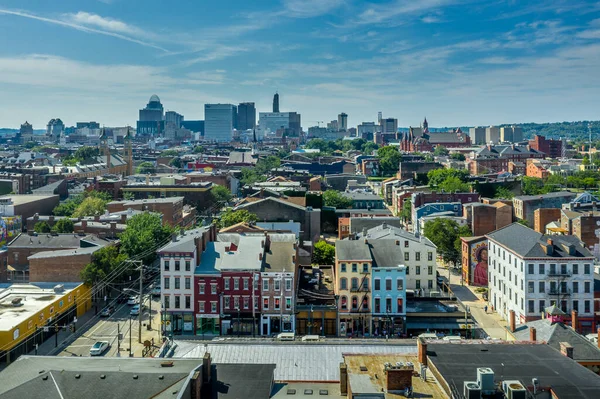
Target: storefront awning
x: 438, y: 325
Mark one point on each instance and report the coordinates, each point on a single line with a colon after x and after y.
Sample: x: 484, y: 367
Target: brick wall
x: 398, y: 379
x: 543, y: 216
x: 58, y: 268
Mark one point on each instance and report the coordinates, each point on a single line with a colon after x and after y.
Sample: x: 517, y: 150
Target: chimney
x: 260, y: 256
x: 97, y: 218
x: 532, y: 334
x: 422, y: 351
x: 399, y: 377
x: 550, y: 242
x: 344, y: 377
x: 84, y: 224
x: 574, y: 320
x: 566, y: 349
x: 123, y: 219
x: 196, y: 385
x: 512, y: 322
x: 206, y: 368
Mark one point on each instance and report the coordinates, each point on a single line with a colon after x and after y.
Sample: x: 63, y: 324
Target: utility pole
x: 118, y: 340
x: 130, y: 332
x: 150, y: 311
x: 141, y: 303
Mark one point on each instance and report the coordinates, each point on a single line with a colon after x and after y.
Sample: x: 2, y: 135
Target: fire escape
x: 559, y: 275
x: 363, y: 305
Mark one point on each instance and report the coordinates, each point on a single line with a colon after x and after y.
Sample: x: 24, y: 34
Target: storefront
x: 243, y: 324
x: 275, y: 324
x: 355, y: 325
x: 391, y: 325
x: 207, y: 324
x: 179, y: 323
x: 316, y: 321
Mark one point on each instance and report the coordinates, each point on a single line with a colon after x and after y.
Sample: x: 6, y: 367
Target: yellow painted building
x: 29, y: 313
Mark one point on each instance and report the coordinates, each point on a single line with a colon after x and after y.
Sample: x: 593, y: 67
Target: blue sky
x: 458, y: 62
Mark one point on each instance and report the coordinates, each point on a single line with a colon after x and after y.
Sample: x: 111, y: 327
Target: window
x: 405, y: 243
x: 417, y: 256
x: 277, y: 285
x: 552, y: 286
x: 246, y: 303
x: 365, y: 284
x: 418, y: 270
x: 530, y: 268
x: 576, y: 305
x: 288, y: 303
x: 343, y: 268
x: 575, y: 287
x: 429, y: 256
x: 177, y: 302
x: 531, y: 306
x: 407, y: 270
x: 586, y: 306
x: 246, y: 285
x: 201, y: 306
x: 167, y: 267
x: 563, y: 269
x: 388, y: 284
x: 365, y: 268
x: 399, y: 284
x: 226, y: 284
x: 265, y: 303
x: 343, y: 283
x: 575, y: 269
x: 587, y: 287
x: 236, y: 302
x: 354, y: 268
x: 430, y: 284
x: 400, y: 304
x: 377, y: 284
x: 177, y: 283
x: 388, y: 305
x: 552, y: 268
x: 213, y: 288
x: 177, y: 265
x: 344, y: 303
x: 236, y: 284
x: 406, y: 256
x: 227, y: 302
x: 586, y: 269
x: 354, y: 303
x: 277, y: 304
x: 213, y: 307
x: 530, y: 287
x: 418, y: 284
x: 430, y: 270
x: 542, y: 268
x: 201, y: 288
x: 377, y: 305
x: 288, y: 284
x: 542, y: 287
x: 167, y: 283
x: 265, y: 284
x: 187, y: 265
x: 188, y: 302
x: 188, y: 283
x: 167, y: 301
x: 354, y: 283
x: 542, y: 305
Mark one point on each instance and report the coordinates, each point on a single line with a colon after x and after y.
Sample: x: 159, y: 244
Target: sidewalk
x: 492, y: 323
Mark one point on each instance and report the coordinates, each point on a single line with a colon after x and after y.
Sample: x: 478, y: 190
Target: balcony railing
x: 557, y: 291
x: 559, y: 273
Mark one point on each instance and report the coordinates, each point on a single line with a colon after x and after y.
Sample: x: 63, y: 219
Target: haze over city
x: 457, y: 62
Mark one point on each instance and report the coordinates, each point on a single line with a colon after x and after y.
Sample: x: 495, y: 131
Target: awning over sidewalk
x: 438, y: 324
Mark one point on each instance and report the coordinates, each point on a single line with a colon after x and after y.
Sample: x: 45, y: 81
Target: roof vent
x: 77, y: 376
x: 161, y: 377
x: 291, y: 391
x: 135, y: 376
x: 103, y: 377
x: 323, y: 392
x: 308, y: 391
x: 45, y: 377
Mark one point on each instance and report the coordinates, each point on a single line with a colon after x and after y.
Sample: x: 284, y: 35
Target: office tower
x: 492, y: 135
x: 477, y: 135
x: 343, y: 121
x: 506, y: 134
x: 218, y: 122
x: 246, y: 116
x: 270, y: 122
x: 173, y: 118
x: 389, y: 125
x: 151, y: 118
x: 54, y: 129
x: 276, y: 102
x: 379, y: 117
x: 333, y: 126
x: 89, y: 125
x: 517, y: 134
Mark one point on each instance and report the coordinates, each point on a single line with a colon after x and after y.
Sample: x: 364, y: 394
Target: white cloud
x: 310, y: 8
x: 108, y: 24
x: 380, y: 13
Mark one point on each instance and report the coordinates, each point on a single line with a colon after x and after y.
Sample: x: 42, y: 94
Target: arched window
x: 354, y: 303
x: 365, y: 303
x: 344, y: 302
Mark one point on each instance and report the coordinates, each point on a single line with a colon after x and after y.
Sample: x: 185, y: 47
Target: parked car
x: 107, y: 311
x: 132, y: 300
x: 156, y: 291
x: 99, y: 348
x: 135, y: 310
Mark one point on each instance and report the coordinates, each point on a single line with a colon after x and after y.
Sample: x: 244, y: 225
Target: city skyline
x: 461, y: 62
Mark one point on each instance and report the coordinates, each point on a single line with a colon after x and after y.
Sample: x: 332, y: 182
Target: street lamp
x: 238, y: 320
x: 310, y: 320
x: 337, y: 315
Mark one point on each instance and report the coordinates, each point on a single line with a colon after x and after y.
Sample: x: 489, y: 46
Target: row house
x: 178, y: 260
x: 530, y: 272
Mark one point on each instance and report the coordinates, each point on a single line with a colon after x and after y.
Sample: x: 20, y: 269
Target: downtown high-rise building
x: 477, y: 135
x: 276, y: 102
x: 343, y: 121
x: 151, y: 119
x: 246, y: 116
x: 219, y: 122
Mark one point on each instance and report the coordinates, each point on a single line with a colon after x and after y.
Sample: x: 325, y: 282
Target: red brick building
x: 552, y: 148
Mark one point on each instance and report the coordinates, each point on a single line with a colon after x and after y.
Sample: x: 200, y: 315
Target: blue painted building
x: 388, y: 300
x: 436, y: 207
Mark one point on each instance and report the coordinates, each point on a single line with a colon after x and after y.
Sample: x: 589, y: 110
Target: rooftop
x: 166, y: 200
x: 556, y: 194
x: 33, y: 297
x: 22, y: 199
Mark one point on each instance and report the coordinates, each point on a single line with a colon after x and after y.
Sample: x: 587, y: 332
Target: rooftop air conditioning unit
x: 472, y: 390
x: 485, y: 380
x: 59, y: 288
x: 513, y: 389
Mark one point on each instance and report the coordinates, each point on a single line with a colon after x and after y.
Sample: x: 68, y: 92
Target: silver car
x: 99, y: 348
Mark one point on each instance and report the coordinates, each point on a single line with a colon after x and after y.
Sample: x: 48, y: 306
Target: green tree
x: 63, y: 226
x: 220, y: 194
x: 86, y: 153
x: 251, y: 176
x: 336, y: 199
x: 264, y: 165
x: 457, y: 156
x: 143, y: 236
x: 406, y: 212
x: 30, y: 145
x: 90, y: 206
x: 445, y: 234
x: 440, y: 151
x: 437, y: 176
x: 231, y: 217
x: 318, y: 144
x: 169, y: 153
x: 128, y: 195
x: 523, y: 222
x: 104, y: 261
x: 453, y: 184
x: 176, y: 163
x: 42, y: 227
x: 198, y: 149
x: 532, y: 185
x: 389, y: 160
x: 145, y: 168
x: 503, y: 193
x: 323, y: 254
x: 369, y: 147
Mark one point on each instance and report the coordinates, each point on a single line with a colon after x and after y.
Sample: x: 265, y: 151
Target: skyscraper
x: 343, y: 121
x: 151, y: 120
x: 276, y: 102
x: 246, y: 116
x: 219, y: 122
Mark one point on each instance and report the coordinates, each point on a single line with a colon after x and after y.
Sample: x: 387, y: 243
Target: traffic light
x: 56, y: 327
